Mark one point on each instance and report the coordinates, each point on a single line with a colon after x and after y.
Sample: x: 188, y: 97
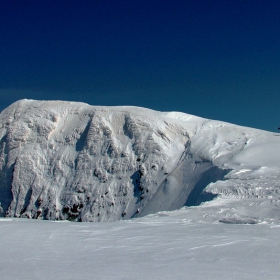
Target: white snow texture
x: 72, y: 161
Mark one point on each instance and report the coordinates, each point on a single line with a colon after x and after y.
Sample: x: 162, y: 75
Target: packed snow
x: 158, y: 246
x: 186, y: 197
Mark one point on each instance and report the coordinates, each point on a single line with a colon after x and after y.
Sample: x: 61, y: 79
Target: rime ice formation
x: 67, y: 160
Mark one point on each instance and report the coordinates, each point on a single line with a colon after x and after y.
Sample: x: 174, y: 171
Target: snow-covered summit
x: 69, y: 160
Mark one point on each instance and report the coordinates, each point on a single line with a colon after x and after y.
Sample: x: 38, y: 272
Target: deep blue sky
x: 215, y: 59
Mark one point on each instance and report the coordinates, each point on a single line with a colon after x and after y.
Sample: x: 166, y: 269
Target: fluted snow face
x: 73, y: 161
x: 64, y: 160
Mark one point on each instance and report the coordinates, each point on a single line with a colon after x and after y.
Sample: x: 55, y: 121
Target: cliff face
x: 72, y: 161
x: 63, y: 160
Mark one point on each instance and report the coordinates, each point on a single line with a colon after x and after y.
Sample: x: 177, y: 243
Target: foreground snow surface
x: 162, y: 246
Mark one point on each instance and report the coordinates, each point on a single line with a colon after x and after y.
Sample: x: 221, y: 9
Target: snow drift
x: 67, y: 160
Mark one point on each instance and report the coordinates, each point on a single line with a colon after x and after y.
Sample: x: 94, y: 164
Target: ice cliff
x: 68, y: 160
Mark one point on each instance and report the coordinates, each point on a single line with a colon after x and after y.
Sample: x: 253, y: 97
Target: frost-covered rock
x: 67, y: 160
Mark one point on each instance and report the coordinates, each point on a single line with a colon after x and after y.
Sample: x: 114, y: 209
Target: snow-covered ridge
x: 69, y: 160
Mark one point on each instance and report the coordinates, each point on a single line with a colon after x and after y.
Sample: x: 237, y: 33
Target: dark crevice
x: 81, y: 141
x: 26, y: 201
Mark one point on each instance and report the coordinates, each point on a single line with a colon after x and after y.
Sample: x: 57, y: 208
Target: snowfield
x: 153, y: 247
x: 205, y: 194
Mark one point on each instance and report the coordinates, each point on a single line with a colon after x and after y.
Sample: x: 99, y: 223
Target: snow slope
x: 153, y: 247
x: 66, y: 160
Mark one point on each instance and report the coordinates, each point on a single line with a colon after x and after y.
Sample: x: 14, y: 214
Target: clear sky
x: 215, y: 59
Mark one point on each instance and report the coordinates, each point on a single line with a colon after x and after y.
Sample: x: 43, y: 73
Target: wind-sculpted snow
x: 64, y: 160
